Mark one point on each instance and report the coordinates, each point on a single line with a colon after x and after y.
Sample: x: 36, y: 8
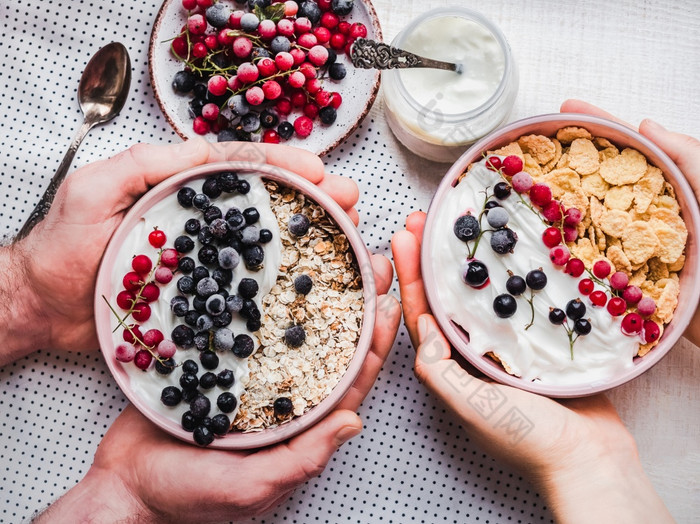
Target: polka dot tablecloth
x: 413, y: 462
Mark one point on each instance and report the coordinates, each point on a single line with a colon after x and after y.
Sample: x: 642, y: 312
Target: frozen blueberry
x: 234, y: 303
x: 216, y: 304
x: 497, y: 217
x: 179, y: 305
x: 200, y: 272
x: 204, y: 322
x: 223, y: 319
x: 235, y: 219
x: 328, y: 115
x: 220, y: 424
x: 225, y: 378
x: 243, y: 346
x: 243, y: 187
x: 265, y: 236
x: 248, y: 287
x: 183, y: 81
x: 298, y: 225
x: 199, y: 304
x: 503, y: 240
x: 192, y: 226
x: 171, y: 396
x: 201, y: 340
x: 219, y: 228
x: 342, y: 7
x: 186, y: 265
x: 211, y: 187
x: 208, y: 379
x: 207, y: 287
x: 209, y: 360
x: 188, y: 421
x: 250, y: 122
x: 249, y: 309
x: 229, y: 258
x: 208, y: 255
x: 226, y: 402
x: 211, y: 214
x: 201, y: 201
x: 196, y: 105
x: 280, y: 44
x: 184, y: 244
x: 259, y: 52
x: 217, y: 15
x: 303, y: 284
x: 332, y: 57
x: 251, y: 215
x: 190, y: 366
x: 253, y: 324
x: 250, y: 235
x: 200, y: 406
x: 294, y: 336
x: 185, y: 196
x: 191, y: 319
x: 183, y: 336
x: 223, y: 277
x: 202, y: 435
x: 253, y: 256
x: 205, y: 236
x: 226, y: 135
x: 189, y: 394
x: 228, y: 181
x: 283, y: 406
x: 223, y: 339
x: 239, y: 106
x: 310, y: 10
x: 337, y: 71
x: 466, y: 228
x: 249, y: 22
x: 285, y: 130
x: 166, y: 366
x: 186, y: 285
x: 189, y: 382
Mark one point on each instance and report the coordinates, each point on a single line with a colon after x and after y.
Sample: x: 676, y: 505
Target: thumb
x: 305, y: 456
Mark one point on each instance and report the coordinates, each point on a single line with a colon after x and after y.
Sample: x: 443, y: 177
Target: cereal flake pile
x: 631, y: 217
x: 331, y: 314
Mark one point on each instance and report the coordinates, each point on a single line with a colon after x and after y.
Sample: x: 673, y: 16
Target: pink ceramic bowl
x: 237, y: 440
x: 622, y: 137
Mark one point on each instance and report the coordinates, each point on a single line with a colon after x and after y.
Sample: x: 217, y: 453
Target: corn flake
x: 540, y: 147
x: 615, y: 222
x: 583, y: 157
x: 594, y: 185
x: 639, y: 242
x: 562, y: 181
x: 627, y: 168
x: 566, y: 135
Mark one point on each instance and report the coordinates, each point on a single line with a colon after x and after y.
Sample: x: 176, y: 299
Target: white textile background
x: 413, y: 462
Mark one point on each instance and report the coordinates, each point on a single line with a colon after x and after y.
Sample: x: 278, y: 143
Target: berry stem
x: 532, y: 309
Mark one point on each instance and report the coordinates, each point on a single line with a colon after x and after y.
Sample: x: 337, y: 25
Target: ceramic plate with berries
x: 264, y: 72
x: 234, y: 305
x: 559, y: 255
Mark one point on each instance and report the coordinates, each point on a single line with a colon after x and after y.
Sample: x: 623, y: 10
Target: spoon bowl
x: 102, y: 93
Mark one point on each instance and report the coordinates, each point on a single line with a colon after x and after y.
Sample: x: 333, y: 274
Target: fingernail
x: 654, y: 125
x: 422, y: 327
x: 346, y: 433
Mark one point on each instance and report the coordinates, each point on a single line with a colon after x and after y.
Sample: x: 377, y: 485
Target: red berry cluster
x: 275, y: 57
x: 141, y: 289
x: 562, y: 230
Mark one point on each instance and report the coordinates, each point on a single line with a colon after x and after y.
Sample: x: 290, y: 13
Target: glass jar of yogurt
x: 438, y: 114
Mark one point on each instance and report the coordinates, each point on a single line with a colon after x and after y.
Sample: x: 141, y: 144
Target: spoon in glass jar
x: 369, y: 54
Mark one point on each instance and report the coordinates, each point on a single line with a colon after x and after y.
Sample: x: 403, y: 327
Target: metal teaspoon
x: 104, y: 86
x: 369, y: 54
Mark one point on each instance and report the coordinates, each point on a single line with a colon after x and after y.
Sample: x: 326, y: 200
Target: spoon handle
x: 42, y: 208
x: 369, y: 54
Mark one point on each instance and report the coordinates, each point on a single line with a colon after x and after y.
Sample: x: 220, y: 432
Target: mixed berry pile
x: 617, y: 296
x: 264, y: 72
x: 206, y: 304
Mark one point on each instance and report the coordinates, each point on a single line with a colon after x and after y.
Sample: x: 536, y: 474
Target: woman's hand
x: 49, y: 277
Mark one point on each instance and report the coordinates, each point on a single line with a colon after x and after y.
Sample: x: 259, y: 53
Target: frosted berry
x: 152, y: 337
x: 303, y: 126
x: 130, y: 335
x: 466, y: 228
x: 511, y: 165
x: 646, y: 306
x: 572, y: 216
x: 652, y: 332
x: 575, y: 267
x: 540, y: 194
x: 169, y: 258
x: 497, y: 217
x: 201, y: 126
x: 267, y: 29
x: 586, y: 286
x: 196, y: 24
x: 601, y: 269
x: 503, y: 240
x: 298, y: 225
x: 318, y: 55
x: 559, y: 255
x: 619, y: 280
x: 632, y: 295
x: 616, y: 306
x: 157, y: 238
x: 598, y: 298
x: 632, y: 324
x: 551, y: 237
x: 125, y: 352
x: 217, y: 85
x: 249, y: 22
x: 570, y: 234
x: 166, y: 348
x: 163, y: 275
x: 294, y: 336
x: 553, y: 211
x: 242, y: 47
x: 522, y: 182
x: 143, y: 359
x: 358, y: 30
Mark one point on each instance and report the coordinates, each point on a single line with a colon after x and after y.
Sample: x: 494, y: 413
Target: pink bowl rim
x: 689, y: 297
x: 239, y: 440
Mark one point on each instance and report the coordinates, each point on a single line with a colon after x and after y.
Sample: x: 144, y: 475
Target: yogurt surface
x: 170, y: 217
x: 540, y: 353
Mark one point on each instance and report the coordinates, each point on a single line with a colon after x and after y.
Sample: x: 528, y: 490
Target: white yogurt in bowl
x: 437, y: 113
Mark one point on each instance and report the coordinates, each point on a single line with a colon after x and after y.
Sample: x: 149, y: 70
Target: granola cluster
x: 331, y: 314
